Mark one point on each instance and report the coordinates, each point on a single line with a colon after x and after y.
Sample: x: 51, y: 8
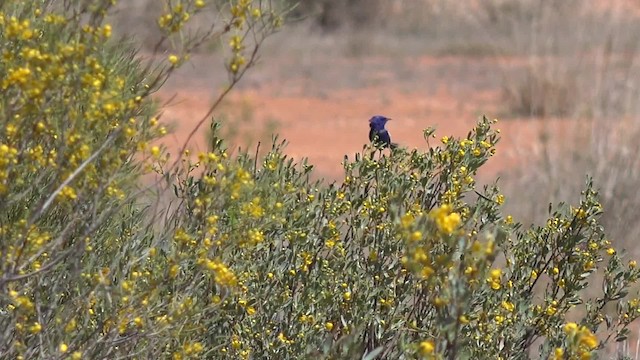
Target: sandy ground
x: 321, y: 106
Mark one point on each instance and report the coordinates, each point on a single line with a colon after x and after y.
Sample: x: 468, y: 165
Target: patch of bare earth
x: 322, y: 108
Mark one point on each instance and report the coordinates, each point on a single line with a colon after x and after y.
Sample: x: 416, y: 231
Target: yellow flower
x: 570, y: 328
x: 254, y: 208
x: 106, y: 31
x: 328, y: 326
x: 495, y: 279
x: 426, y: 348
x: 406, y: 220
x: 235, y: 342
x: 35, y: 328
x: 611, y: 251
x: 68, y: 193
x: 446, y: 220
x: 496, y: 274
x: 551, y: 310
x: 588, y: 339
x: 558, y: 354
x: 63, y: 348
x: 173, y: 59
x: 235, y: 43
x: 508, y: 306
x: 282, y: 337
x: 155, y: 151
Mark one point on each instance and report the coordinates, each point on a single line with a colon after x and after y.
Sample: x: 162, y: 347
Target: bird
x: 378, y: 135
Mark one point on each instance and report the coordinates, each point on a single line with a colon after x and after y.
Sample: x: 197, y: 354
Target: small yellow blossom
x: 509, y: 306
x: 235, y: 342
x: 426, y: 348
x: 558, y: 354
x: 495, y: 279
x: 106, y: 31
x: 35, y: 328
x: 446, y: 220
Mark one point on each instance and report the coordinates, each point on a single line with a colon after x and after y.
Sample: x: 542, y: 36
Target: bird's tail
x: 393, y: 145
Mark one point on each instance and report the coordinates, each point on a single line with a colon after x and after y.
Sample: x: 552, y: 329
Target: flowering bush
x: 405, y: 258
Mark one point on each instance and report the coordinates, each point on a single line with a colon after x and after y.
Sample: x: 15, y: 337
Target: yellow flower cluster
x: 446, y: 219
x: 495, y: 279
x: 7, y: 158
x: 177, y: 16
x: 580, y: 341
x: 253, y: 208
x: 426, y: 349
x: 222, y: 274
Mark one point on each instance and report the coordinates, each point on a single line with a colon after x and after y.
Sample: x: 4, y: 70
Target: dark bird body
x: 378, y: 135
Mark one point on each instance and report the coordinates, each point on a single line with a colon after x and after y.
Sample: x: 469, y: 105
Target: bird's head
x: 377, y: 122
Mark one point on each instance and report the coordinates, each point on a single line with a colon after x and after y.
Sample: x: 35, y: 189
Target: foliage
x: 76, y: 130
x: 405, y: 258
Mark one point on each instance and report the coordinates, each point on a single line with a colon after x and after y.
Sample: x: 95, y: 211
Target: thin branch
x: 205, y: 117
x: 73, y: 175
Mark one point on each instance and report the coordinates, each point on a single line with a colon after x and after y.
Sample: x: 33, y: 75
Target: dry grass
x: 581, y: 65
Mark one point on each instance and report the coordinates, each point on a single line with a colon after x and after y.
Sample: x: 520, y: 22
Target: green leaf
x: 373, y: 354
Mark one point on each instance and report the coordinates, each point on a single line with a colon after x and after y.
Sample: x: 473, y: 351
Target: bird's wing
x: 380, y: 136
x: 384, y: 137
x: 372, y: 135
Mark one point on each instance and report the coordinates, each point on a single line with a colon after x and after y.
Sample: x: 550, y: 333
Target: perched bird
x: 378, y: 135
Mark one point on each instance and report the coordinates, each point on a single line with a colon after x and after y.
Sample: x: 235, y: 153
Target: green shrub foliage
x: 246, y: 257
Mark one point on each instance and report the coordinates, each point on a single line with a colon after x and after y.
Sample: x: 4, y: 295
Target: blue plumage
x: 378, y: 135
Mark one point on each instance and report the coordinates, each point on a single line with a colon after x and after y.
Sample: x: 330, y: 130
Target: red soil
x: 326, y: 125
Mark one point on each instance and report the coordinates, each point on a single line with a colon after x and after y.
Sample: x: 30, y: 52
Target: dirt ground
x: 321, y: 103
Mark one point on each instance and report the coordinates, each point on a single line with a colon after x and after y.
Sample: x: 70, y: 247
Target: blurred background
x: 560, y: 75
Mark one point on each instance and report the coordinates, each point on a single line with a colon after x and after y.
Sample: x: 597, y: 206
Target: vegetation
x: 246, y: 257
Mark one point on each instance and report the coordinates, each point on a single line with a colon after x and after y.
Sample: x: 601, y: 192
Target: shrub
x: 76, y: 130
x: 405, y: 258
x: 401, y: 259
